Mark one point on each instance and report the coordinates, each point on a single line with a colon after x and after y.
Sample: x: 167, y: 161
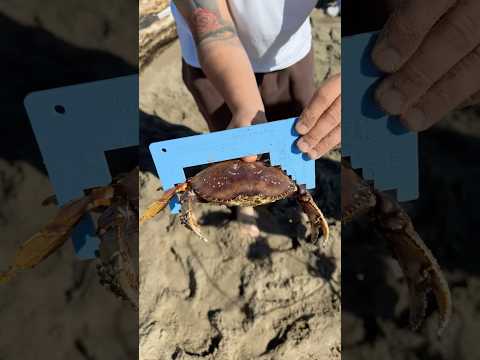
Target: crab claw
x: 420, y: 267
x: 315, y: 215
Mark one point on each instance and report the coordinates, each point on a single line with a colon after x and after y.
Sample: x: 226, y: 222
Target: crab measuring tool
x: 74, y: 126
x: 378, y: 144
x: 276, y: 138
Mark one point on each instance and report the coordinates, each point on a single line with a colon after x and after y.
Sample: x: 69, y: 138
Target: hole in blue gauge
x: 164, y: 150
x: 59, y: 109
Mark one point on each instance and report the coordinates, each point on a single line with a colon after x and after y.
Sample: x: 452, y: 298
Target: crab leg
x: 357, y: 197
x: 160, y: 204
x: 420, y: 267
x: 188, y: 217
x: 315, y: 215
x: 117, y: 228
x: 55, y: 233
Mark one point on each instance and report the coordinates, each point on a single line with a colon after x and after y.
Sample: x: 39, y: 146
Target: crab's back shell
x: 236, y: 182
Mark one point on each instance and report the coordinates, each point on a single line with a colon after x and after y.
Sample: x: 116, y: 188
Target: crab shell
x: 238, y: 183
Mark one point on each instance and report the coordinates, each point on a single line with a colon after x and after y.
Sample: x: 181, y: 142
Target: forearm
x: 229, y: 69
x: 223, y: 58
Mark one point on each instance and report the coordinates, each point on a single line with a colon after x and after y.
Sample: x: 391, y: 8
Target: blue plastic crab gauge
x: 74, y: 126
x: 376, y: 143
x: 276, y: 138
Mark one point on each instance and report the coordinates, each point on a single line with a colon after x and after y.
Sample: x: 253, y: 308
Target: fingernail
x: 415, y: 119
x: 390, y: 99
x: 250, y: 158
x: 303, y: 145
x: 313, y: 155
x: 386, y: 58
x: 301, y: 129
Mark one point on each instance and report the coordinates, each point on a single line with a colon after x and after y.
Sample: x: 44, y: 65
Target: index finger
x: 405, y: 30
x: 321, y: 101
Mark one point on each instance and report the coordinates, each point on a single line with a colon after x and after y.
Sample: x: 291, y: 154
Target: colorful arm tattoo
x: 206, y: 22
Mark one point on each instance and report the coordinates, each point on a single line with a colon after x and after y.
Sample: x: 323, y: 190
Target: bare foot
x: 247, y: 217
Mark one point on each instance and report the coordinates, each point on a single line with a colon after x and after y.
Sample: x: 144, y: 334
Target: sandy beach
x: 235, y: 297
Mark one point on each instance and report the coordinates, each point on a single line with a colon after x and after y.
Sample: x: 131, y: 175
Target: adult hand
x: 319, y: 123
x: 431, y: 49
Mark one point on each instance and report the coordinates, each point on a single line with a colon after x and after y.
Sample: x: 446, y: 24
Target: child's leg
x: 286, y: 92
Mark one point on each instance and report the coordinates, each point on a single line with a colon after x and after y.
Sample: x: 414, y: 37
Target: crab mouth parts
x: 248, y: 200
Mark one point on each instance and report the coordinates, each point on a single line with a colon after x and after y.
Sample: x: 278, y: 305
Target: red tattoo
x: 205, y: 21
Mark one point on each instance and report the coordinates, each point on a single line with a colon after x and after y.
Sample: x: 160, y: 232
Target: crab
x: 239, y: 183
x: 420, y: 268
x: 117, y: 228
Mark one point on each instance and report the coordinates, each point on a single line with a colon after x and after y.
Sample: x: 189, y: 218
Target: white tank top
x: 275, y: 33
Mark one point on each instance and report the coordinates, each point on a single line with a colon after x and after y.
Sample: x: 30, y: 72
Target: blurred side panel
x: 59, y: 309
x: 376, y: 302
